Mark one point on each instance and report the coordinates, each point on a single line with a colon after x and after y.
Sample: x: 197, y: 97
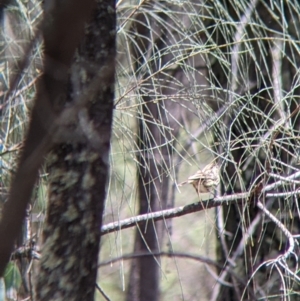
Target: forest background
x: 106, y: 107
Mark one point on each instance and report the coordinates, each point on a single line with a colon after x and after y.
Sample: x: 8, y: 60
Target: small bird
x: 205, y: 180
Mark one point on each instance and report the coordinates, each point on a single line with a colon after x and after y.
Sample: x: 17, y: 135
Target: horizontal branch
x: 175, y: 212
x: 195, y: 207
x: 178, y: 211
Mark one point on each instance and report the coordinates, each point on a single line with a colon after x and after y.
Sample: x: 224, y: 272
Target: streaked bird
x: 205, y: 180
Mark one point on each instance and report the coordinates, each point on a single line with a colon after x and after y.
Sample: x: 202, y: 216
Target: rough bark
x: 59, y: 50
x: 78, y: 167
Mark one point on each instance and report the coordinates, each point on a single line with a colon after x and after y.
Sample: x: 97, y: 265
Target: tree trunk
x: 159, y: 120
x: 78, y: 167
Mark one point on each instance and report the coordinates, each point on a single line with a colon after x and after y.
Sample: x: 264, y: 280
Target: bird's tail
x: 183, y: 183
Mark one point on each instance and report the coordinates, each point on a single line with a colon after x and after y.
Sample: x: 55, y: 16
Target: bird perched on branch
x: 205, y: 180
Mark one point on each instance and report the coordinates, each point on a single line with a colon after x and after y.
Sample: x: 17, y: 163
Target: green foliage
x: 12, y: 277
x: 2, y: 290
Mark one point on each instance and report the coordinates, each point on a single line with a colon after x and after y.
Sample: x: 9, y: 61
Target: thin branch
x: 282, y: 227
x: 102, y: 292
x: 198, y: 206
x: 197, y: 258
x: 281, y: 182
x: 171, y: 213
